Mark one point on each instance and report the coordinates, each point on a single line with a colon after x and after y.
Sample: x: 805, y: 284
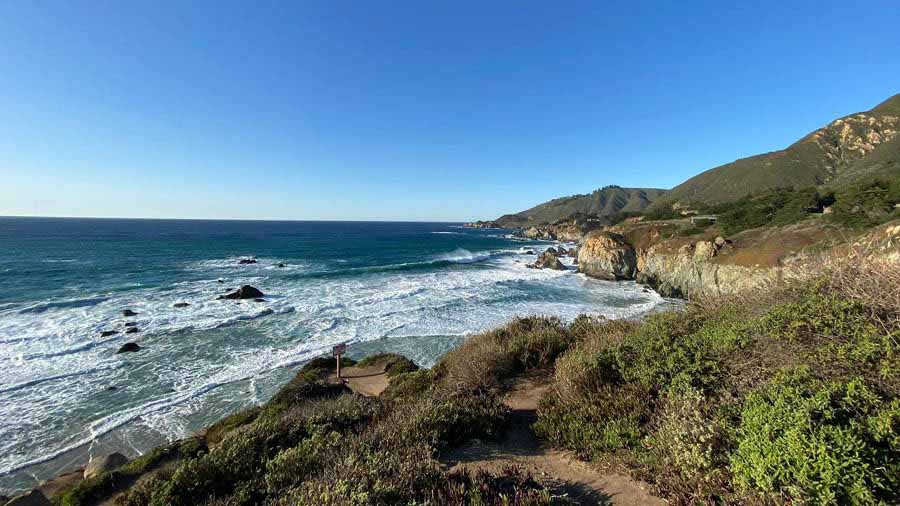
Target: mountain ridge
x: 600, y: 203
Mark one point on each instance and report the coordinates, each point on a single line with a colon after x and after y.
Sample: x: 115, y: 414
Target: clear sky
x: 418, y: 110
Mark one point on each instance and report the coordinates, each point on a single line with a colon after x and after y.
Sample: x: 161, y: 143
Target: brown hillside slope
x: 843, y: 146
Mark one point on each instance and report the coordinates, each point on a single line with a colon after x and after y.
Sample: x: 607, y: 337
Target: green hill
x: 852, y: 147
x: 603, y: 202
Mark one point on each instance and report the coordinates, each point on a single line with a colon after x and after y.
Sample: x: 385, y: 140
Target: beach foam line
x: 111, y: 422
x: 38, y: 381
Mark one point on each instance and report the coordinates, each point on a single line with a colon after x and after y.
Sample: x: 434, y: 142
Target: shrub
x: 825, y: 442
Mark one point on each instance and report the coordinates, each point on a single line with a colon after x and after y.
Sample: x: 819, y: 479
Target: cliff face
x: 694, y: 275
x: 716, y: 267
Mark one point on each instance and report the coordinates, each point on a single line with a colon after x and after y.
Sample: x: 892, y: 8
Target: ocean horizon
x: 416, y: 288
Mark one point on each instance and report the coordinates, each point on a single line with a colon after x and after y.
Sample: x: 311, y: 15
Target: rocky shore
x: 698, y: 266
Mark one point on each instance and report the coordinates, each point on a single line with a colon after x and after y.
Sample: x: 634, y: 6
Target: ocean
x: 412, y: 288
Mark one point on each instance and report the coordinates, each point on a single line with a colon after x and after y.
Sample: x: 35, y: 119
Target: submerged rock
x: 104, y: 464
x: 282, y: 265
x: 246, y: 261
x: 181, y: 304
x: 131, y: 324
x: 244, y: 292
x: 107, y: 333
x: 606, y: 255
x: 132, y: 330
x: 259, y: 300
x: 128, y: 313
x: 129, y: 348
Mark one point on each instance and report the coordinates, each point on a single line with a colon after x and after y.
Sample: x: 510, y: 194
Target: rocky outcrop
x: 244, y: 292
x: 606, y: 255
x: 101, y: 465
x: 689, y: 272
x: 549, y: 260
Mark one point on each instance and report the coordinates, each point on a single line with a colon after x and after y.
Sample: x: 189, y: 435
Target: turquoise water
x: 415, y: 288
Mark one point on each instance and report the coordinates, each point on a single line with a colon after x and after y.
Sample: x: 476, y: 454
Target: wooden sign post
x: 337, y: 351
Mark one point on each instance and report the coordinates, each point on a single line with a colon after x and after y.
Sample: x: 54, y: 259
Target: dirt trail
x: 559, y: 470
x: 369, y: 381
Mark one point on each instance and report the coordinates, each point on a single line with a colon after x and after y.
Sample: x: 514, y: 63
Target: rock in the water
x: 104, y: 464
x: 573, y: 252
x: 181, y: 304
x: 562, y: 251
x: 33, y: 498
x: 107, y: 333
x: 129, y: 348
x: 244, y: 292
x: 668, y: 290
x: 259, y: 300
x: 126, y: 313
x: 131, y: 324
x: 132, y: 330
x: 606, y: 255
x: 720, y: 241
x: 246, y: 261
x: 549, y: 260
x: 220, y: 280
x: 644, y: 278
x: 282, y: 265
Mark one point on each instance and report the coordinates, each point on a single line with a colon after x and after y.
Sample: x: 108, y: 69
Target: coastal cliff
x: 702, y: 266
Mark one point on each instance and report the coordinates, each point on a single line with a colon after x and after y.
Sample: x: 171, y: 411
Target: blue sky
x: 407, y: 109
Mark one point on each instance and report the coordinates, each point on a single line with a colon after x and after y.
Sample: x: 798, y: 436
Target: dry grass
x: 872, y: 278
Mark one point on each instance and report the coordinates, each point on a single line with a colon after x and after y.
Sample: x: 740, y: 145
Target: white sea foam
x: 54, y: 362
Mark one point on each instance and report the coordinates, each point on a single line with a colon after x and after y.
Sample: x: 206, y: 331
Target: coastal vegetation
x: 788, y: 396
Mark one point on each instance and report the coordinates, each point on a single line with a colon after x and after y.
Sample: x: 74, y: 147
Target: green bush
x: 822, y: 442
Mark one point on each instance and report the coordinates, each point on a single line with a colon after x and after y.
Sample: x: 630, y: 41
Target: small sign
x: 339, y: 349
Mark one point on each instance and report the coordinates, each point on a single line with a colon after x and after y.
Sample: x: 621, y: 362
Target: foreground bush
x: 785, y: 397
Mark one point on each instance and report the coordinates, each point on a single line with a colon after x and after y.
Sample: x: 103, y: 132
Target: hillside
x: 847, y: 148
x: 603, y: 202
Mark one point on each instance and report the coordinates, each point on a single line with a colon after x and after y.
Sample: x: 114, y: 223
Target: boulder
x: 644, y: 278
x: 666, y: 289
x: 105, y: 464
x: 33, y: 498
x: 606, y: 255
x: 244, y: 292
x: 562, y: 251
x: 131, y: 324
x: 181, y: 304
x: 282, y: 265
x: 573, y: 252
x: 246, y: 261
x: 128, y: 313
x: 549, y: 260
x: 704, y: 250
x: 129, y: 348
x: 132, y: 330
x: 720, y: 241
x: 107, y: 333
